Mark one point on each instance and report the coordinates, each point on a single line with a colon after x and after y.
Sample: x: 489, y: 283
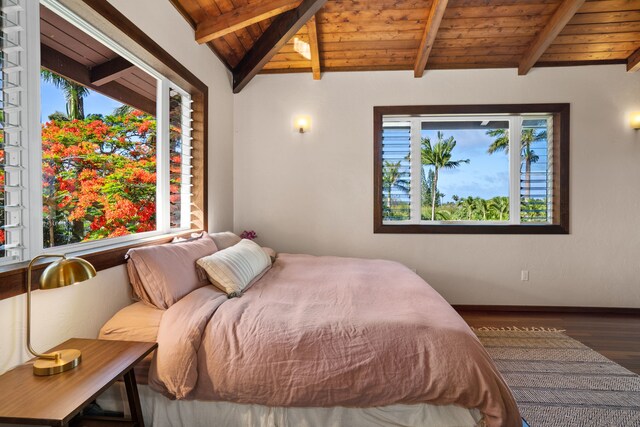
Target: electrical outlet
x: 524, y: 275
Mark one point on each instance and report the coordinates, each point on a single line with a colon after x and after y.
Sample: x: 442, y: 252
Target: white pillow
x: 234, y: 269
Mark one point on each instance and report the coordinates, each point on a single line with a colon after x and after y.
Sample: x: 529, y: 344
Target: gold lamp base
x: 64, y: 361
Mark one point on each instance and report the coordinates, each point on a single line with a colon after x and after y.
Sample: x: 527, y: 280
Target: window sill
x: 13, y: 276
x: 471, y: 229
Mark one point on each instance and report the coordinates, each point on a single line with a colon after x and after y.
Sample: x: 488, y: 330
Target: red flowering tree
x: 100, y: 173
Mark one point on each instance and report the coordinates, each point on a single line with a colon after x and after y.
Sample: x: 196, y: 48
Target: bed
x: 316, y: 341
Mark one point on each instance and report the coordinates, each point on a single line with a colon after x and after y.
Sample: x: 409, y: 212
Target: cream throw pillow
x: 233, y: 269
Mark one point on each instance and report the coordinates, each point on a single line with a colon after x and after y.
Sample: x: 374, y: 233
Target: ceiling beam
x: 71, y: 69
x: 429, y: 36
x: 110, y: 70
x: 548, y: 34
x: 633, y: 62
x: 272, y: 40
x: 315, y: 48
x: 182, y: 11
x: 239, y: 18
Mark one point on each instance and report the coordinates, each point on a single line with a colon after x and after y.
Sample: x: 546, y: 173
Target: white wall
x: 77, y: 311
x: 80, y: 310
x: 313, y: 193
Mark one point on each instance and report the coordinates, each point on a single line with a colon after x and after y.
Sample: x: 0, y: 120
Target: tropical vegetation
x: 98, y: 177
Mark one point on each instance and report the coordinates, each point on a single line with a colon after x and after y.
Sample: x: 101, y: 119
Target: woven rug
x: 558, y: 381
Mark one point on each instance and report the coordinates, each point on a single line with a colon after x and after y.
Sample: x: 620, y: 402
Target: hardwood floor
x: 616, y: 336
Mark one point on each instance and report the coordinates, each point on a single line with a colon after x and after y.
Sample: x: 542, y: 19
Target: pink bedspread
x: 327, y: 331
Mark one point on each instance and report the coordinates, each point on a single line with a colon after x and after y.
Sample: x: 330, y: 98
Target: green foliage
x: 58, y: 115
x: 500, y: 207
x: 501, y: 142
x: 533, y: 210
x: 471, y: 209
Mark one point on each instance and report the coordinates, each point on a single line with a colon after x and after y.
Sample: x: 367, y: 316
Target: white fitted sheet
x: 162, y: 412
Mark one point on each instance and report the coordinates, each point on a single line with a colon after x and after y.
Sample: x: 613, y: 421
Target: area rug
x: 558, y: 381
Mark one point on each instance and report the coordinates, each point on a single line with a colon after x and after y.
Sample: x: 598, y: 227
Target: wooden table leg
x: 134, y: 398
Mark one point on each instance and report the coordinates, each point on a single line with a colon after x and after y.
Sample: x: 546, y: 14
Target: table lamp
x: 63, y: 272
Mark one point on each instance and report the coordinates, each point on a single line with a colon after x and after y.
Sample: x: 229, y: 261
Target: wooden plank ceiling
x: 348, y: 35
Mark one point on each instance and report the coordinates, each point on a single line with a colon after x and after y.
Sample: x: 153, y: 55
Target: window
x: 96, y: 146
x: 98, y: 164
x: 471, y: 169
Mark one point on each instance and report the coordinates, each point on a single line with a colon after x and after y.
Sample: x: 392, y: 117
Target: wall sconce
x: 635, y: 120
x: 302, y: 124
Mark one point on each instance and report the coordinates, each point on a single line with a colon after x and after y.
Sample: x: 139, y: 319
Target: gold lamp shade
x: 63, y: 272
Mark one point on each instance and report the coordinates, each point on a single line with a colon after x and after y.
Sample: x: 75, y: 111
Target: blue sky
x: 484, y: 176
x: 53, y: 100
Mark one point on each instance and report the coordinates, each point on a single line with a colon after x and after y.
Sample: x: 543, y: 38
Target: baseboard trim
x: 547, y: 309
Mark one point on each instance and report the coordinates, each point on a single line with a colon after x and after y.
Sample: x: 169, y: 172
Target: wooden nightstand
x: 54, y: 400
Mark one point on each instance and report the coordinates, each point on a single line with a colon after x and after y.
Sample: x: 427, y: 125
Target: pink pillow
x: 161, y: 275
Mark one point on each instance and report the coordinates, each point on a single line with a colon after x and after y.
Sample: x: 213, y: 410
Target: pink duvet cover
x: 328, y: 331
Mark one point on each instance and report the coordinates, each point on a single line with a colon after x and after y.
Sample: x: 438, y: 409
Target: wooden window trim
x: 561, y: 113
x: 107, y: 19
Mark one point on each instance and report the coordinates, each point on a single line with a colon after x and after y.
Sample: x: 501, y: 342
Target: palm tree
x: 73, y: 93
x: 466, y: 207
x: 443, y: 215
x: 501, y: 142
x: 529, y: 136
x: 483, y: 208
x: 393, y: 177
x: 438, y: 155
x: 123, y: 110
x: 499, y: 206
x: 427, y: 186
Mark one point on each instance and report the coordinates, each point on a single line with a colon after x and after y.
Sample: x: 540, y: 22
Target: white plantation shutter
x: 187, y: 155
x: 13, y: 150
x: 396, y: 164
x: 550, y: 177
x: 180, y: 147
x: 536, y: 186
